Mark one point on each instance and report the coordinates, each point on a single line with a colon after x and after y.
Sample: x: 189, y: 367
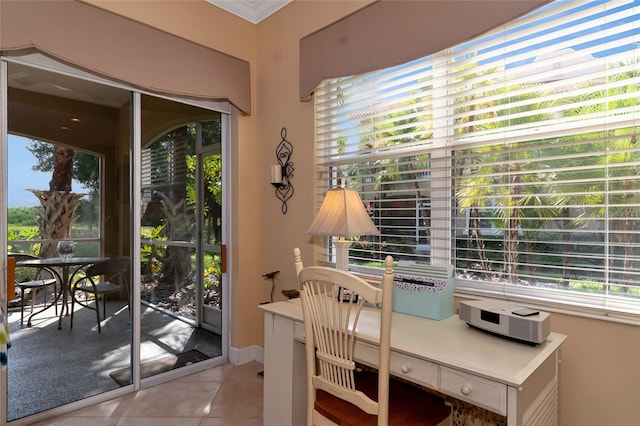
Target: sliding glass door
x: 181, y: 235
x: 68, y: 155
x: 179, y: 282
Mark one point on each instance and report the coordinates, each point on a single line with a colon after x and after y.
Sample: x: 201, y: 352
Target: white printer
x: 508, y: 320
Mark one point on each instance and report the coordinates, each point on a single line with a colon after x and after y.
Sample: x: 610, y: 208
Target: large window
x: 513, y: 157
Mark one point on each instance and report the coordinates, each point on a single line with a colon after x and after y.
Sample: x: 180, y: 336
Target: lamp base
x: 342, y: 253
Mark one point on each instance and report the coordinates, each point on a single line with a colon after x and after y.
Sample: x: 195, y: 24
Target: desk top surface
x: 448, y: 342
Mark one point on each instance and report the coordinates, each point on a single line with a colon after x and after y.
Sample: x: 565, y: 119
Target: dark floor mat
x: 122, y: 376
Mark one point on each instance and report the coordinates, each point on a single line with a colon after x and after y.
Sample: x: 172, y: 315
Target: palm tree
x: 59, y: 203
x: 614, y: 173
x: 498, y: 178
x: 519, y: 193
x: 403, y: 124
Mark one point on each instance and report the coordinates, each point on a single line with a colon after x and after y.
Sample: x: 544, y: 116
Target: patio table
x: 65, y: 279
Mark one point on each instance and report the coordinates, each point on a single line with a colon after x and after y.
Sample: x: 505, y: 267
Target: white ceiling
x: 251, y: 10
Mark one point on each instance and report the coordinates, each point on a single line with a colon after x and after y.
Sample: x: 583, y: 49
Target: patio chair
x: 102, y: 278
x: 31, y: 279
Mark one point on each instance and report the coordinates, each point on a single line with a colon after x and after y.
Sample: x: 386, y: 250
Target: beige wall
x: 600, y: 360
x: 279, y: 106
x: 600, y: 372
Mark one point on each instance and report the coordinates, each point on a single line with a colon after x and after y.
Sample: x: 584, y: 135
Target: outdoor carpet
x: 161, y: 365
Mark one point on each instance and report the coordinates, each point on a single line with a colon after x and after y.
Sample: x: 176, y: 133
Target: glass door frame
x: 201, y: 153
x: 4, y: 178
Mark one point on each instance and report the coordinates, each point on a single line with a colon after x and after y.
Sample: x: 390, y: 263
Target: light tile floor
x: 226, y: 395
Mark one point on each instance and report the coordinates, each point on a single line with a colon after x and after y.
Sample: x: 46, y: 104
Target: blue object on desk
x: 423, y: 290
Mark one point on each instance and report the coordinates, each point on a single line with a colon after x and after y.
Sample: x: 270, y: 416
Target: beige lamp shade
x: 342, y: 214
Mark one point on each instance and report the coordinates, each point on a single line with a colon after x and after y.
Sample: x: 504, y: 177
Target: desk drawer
x: 414, y: 370
x: 366, y: 353
x: 475, y: 390
x: 406, y: 367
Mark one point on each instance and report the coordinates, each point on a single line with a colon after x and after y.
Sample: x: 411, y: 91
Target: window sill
x: 574, y: 304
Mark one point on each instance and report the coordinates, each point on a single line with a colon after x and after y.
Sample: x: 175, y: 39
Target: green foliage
x: 153, y: 233
x: 149, y: 253
x: 17, y: 233
x: 22, y: 216
x: 212, y: 270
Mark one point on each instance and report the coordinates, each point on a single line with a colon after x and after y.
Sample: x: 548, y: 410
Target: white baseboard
x: 246, y: 355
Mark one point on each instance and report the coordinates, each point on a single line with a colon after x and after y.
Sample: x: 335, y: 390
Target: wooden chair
x: 100, y: 280
x: 33, y: 279
x: 339, y: 393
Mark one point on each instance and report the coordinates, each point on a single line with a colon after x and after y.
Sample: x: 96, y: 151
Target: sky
x: 22, y: 176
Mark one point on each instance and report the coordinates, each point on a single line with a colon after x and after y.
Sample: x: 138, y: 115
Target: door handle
x: 223, y: 258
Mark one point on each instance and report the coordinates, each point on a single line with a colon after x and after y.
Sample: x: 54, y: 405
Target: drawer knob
x: 405, y: 368
x: 466, y: 390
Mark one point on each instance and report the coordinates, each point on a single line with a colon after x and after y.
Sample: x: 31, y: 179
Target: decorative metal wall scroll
x: 282, y: 183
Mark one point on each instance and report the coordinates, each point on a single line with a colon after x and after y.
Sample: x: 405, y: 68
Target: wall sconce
x: 282, y: 172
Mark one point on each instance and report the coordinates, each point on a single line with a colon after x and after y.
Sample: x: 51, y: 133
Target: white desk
x: 512, y: 379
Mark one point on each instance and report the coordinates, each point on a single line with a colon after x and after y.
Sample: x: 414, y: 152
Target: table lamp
x: 342, y: 214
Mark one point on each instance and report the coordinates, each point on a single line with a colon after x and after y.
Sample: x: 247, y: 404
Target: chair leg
x: 55, y: 294
x: 126, y: 287
x: 21, y: 307
x: 73, y: 295
x: 98, y: 310
x: 33, y: 292
x: 46, y: 299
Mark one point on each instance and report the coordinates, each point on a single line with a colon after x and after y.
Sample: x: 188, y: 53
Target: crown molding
x: 253, y: 11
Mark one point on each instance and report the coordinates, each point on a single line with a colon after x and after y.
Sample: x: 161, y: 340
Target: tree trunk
x: 56, y: 218
x: 475, y: 234
x: 512, y: 223
x: 177, y: 263
x: 566, y: 248
x: 62, y: 170
x: 181, y: 222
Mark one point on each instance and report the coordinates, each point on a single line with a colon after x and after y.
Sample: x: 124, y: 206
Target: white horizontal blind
x: 371, y: 136
x: 513, y: 157
x: 164, y: 168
